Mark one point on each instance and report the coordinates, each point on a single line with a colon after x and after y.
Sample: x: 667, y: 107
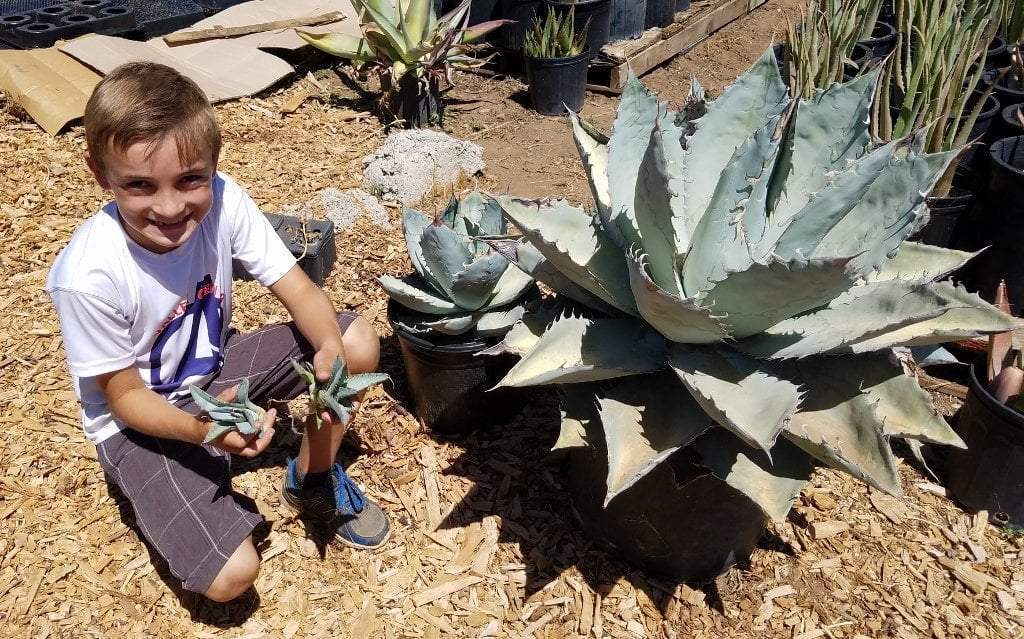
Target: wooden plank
x: 182, y: 37
x: 692, y: 34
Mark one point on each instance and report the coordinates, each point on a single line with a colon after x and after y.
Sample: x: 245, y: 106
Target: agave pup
x: 240, y: 415
x: 749, y: 277
x: 340, y: 391
x: 460, y: 280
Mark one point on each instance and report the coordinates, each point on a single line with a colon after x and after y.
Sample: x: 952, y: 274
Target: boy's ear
x: 97, y: 171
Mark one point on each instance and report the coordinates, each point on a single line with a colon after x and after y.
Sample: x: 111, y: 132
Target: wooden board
x: 658, y: 45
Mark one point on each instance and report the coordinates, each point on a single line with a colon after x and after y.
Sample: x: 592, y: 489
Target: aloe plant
x: 340, y: 391
x: 410, y: 48
x: 240, y: 415
x: 459, y: 279
x: 1012, y: 23
x: 819, y: 50
x: 937, y: 64
x: 556, y: 36
x: 752, y: 266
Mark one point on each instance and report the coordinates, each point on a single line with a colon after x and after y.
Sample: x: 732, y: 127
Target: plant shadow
x: 515, y: 479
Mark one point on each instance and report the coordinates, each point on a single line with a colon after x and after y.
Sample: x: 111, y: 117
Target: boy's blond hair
x: 145, y: 102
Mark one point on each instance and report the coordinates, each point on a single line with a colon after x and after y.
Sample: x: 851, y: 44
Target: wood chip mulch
x: 483, y: 542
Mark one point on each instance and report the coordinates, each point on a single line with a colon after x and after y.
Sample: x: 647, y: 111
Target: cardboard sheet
x: 51, y: 86
x: 224, y: 68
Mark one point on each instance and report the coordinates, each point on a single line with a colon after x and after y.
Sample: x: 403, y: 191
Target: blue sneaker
x: 357, y: 521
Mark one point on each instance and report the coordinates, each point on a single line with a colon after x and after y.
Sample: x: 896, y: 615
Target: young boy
x: 143, y: 292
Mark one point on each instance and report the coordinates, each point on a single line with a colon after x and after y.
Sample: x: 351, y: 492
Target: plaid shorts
x: 180, y: 492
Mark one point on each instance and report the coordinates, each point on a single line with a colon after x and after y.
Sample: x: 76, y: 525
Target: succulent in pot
x: 411, y: 49
x: 750, y: 262
x: 461, y: 284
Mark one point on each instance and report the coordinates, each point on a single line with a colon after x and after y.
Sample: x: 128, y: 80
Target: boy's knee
x: 237, y: 575
x: 362, y: 346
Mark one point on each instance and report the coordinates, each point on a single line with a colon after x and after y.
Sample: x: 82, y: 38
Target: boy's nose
x: 169, y: 208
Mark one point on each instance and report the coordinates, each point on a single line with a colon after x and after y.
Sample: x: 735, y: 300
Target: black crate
x: 316, y: 259
x: 213, y: 6
x: 154, y: 19
x: 42, y: 26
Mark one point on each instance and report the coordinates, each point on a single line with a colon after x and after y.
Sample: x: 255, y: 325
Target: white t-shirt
x: 165, y: 313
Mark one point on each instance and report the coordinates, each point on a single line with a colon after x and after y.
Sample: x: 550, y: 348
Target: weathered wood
x: 674, y: 40
x: 182, y: 37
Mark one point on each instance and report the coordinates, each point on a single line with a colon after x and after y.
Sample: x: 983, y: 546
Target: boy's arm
x: 142, y: 409
x: 314, y: 316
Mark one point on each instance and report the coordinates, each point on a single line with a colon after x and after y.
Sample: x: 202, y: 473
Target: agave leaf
x: 579, y: 349
x: 218, y: 429
x: 593, y: 150
x: 475, y: 32
x: 720, y: 242
x: 413, y: 224
x: 840, y: 425
x: 680, y: 320
x: 512, y: 284
x: 757, y: 97
x: 747, y: 397
x: 578, y: 406
x: 880, y: 315
x: 483, y: 213
x: 412, y: 293
x: 921, y: 263
x: 571, y: 240
x: 765, y: 294
x: 536, y: 266
x: 361, y: 381
x: 825, y: 133
x: 906, y: 409
x: 526, y: 331
x: 446, y: 325
x: 474, y: 286
x: 639, y: 113
x: 445, y: 255
x: 417, y: 15
x: 343, y: 45
x: 498, y: 321
x: 388, y: 26
x: 657, y: 207
x: 772, y: 481
x: 644, y: 422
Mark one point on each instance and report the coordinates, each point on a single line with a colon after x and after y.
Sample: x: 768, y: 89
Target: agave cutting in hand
x: 459, y: 278
x: 751, y: 265
x: 340, y: 391
x: 240, y: 415
x: 408, y: 47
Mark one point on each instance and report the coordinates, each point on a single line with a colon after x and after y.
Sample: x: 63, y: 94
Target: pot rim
x: 556, y: 62
x: 1008, y: 414
x: 997, y: 157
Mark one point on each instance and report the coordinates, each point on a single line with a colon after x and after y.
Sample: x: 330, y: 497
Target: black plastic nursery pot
x: 678, y: 522
x: 989, y: 474
x: 313, y: 246
x: 523, y: 13
x: 596, y: 13
x: 1008, y: 124
x: 998, y: 54
x: 1009, y: 91
x: 882, y: 40
x: 946, y: 212
x: 417, y: 102
x: 978, y: 137
x: 860, y: 56
x: 482, y: 11
x: 449, y: 383
x: 628, y: 18
x: 558, y: 83
x: 1000, y: 216
x: 660, y: 13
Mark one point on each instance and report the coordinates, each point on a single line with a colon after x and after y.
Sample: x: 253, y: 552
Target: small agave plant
x: 240, y: 415
x: 460, y: 280
x: 749, y: 279
x: 340, y: 391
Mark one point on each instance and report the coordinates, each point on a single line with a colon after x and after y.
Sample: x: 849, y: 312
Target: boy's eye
x: 137, y: 184
x: 192, y: 180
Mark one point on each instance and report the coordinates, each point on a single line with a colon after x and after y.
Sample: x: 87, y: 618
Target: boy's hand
x: 245, y: 445
x: 323, y: 363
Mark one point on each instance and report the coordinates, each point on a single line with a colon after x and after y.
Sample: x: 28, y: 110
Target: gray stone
x: 411, y: 163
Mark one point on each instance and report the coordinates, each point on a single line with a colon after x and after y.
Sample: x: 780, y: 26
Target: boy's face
x: 161, y: 201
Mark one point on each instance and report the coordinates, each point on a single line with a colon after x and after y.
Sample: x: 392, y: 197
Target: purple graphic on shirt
x: 205, y: 309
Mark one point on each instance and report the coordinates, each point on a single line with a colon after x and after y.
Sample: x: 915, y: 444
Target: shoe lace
x: 348, y: 499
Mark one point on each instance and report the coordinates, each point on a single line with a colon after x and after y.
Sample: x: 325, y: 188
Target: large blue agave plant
x: 748, y: 277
